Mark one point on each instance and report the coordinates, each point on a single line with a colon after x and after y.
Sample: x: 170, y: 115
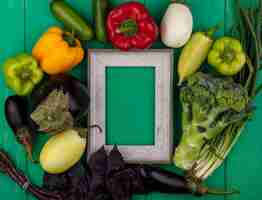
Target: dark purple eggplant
x: 106, y: 178
x: 78, y: 93
x: 156, y: 179
x: 160, y: 180
x: 125, y: 180
x: 19, y: 121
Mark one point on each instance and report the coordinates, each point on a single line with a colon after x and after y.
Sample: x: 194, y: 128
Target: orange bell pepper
x: 58, y: 51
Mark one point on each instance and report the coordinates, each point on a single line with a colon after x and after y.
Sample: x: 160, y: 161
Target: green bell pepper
x: 22, y: 73
x: 227, y: 56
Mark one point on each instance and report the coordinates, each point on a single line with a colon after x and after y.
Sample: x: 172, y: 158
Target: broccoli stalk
x: 209, y: 105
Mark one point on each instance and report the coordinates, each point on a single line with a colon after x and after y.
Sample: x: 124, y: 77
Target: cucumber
x: 100, y: 12
x: 71, y: 19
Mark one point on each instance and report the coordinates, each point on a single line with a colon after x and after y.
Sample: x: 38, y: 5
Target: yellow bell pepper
x: 58, y: 51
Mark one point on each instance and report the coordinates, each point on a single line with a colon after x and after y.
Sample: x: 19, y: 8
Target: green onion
x: 216, y: 150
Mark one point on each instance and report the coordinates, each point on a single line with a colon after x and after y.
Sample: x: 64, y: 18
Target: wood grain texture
x: 204, y: 18
x: 23, y: 23
x: 38, y: 19
x: 244, y: 165
x: 12, y: 42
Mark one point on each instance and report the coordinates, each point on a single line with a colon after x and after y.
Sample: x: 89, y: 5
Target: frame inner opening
x: 130, y: 105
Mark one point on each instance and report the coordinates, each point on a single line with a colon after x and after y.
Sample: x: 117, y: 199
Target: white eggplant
x: 176, y: 26
x: 63, y: 150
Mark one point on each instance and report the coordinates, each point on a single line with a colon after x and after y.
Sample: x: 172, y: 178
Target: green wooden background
x: 23, y: 21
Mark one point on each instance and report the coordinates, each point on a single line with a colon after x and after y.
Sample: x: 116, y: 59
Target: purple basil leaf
x: 56, y: 182
x: 120, y: 186
x: 98, y: 167
x: 98, y: 162
x: 115, y: 162
x: 69, y: 182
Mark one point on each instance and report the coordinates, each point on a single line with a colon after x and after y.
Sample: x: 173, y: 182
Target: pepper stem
x: 128, y: 27
x: 70, y: 39
x: 25, y: 74
x: 24, y: 137
x: 220, y: 192
x: 228, y: 54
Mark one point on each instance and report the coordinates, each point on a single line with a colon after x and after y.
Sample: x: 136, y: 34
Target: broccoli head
x: 209, y: 105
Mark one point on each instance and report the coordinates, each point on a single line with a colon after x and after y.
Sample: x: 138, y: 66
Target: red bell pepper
x: 130, y: 26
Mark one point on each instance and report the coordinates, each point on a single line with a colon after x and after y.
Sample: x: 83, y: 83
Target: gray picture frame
x: 162, y: 60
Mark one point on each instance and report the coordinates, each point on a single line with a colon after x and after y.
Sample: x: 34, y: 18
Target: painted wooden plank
x: 85, y: 9
x: 230, y: 14
x: 201, y: 10
x: 38, y: 20
x: 206, y: 14
x: 114, y: 3
x: 157, y: 9
x: 37, y: 25
x: 12, y: 43
x: 244, y: 164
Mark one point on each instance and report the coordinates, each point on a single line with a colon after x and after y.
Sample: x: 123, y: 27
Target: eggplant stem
x: 24, y: 134
x: 30, y: 154
x: 96, y: 126
x: 200, y: 189
x: 220, y: 192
